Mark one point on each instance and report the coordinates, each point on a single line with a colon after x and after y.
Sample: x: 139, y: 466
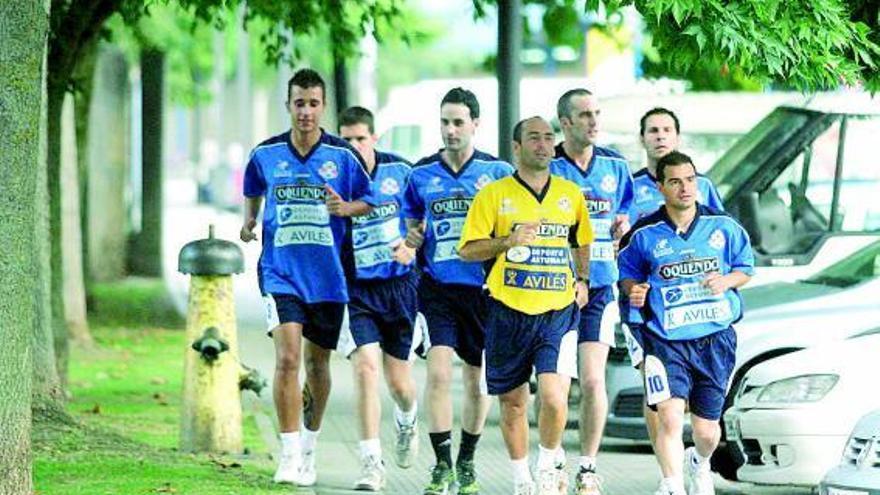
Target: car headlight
x: 807, y: 388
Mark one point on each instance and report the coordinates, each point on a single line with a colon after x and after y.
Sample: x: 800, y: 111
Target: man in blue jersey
x: 441, y: 189
x: 311, y: 182
x: 659, y: 133
x: 605, y: 181
x: 382, y: 303
x: 681, y: 267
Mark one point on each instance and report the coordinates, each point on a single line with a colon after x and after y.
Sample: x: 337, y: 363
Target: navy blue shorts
x: 697, y: 370
x: 321, y: 321
x: 384, y: 312
x: 590, y: 326
x: 456, y: 317
x: 516, y: 342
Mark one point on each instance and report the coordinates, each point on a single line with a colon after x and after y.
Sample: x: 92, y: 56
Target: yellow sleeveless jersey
x: 536, y: 278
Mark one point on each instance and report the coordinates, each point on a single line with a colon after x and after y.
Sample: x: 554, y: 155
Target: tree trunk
x: 71, y: 237
x: 85, y: 77
x: 146, y: 253
x: 23, y: 34
x: 55, y: 94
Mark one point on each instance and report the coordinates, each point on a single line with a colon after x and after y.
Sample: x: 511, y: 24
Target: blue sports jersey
x: 375, y: 235
x: 442, y: 197
x: 647, y: 197
x: 302, y: 242
x: 679, y: 307
x: 607, y: 186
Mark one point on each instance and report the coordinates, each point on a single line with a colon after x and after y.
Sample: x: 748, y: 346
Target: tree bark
x: 85, y: 80
x: 23, y: 35
x: 146, y: 253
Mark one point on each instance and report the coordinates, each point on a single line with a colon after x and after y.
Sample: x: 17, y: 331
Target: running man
x: 312, y: 182
x: 451, y: 297
x: 605, y: 181
x: 382, y: 306
x: 529, y: 226
x: 681, y: 267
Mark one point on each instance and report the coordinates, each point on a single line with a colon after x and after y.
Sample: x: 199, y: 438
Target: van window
x: 859, y: 208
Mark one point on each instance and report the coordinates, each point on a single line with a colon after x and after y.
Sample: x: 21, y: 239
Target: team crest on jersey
x: 482, y: 182
x: 389, y: 187
x: 662, y: 248
x: 564, y: 204
x: 507, y: 207
x: 717, y: 240
x: 282, y: 169
x: 609, y: 184
x: 328, y: 170
x: 644, y: 193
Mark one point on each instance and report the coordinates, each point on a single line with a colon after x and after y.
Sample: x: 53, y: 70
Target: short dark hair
x: 517, y: 129
x: 464, y: 97
x: 307, y: 78
x: 672, y: 159
x: 563, y: 106
x: 356, y: 115
x: 658, y: 111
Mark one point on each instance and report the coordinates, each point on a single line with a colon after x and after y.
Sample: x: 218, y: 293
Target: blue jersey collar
x: 560, y: 153
x: 304, y: 158
x: 686, y: 235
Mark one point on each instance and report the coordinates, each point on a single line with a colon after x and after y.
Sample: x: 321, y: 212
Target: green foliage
x: 133, y: 302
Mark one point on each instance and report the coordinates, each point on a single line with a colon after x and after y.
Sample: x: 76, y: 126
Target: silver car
x: 859, y: 470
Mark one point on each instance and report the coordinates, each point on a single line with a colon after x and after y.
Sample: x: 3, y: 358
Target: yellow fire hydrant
x: 211, y: 412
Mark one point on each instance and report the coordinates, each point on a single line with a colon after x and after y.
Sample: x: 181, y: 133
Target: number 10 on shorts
x: 656, y: 382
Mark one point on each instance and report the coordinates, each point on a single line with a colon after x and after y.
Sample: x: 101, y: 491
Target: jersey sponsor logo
x: 696, y: 314
x: 446, y: 251
x: 447, y: 206
x: 538, y: 255
x: 302, y: 213
x: 609, y: 183
x: 328, y: 170
x: 643, y: 194
x: 482, y: 181
x: 602, y: 251
x: 303, y: 234
x: 434, y: 186
x: 602, y: 227
x: 531, y: 280
x: 282, y: 169
x: 373, y: 256
x: 686, y: 294
x: 307, y: 192
x: 389, y: 186
x: 599, y: 206
x: 717, y: 239
x: 384, y: 233
x: 549, y: 230
x: 689, y: 268
x: 662, y: 248
x: 383, y: 210
x: 448, y: 228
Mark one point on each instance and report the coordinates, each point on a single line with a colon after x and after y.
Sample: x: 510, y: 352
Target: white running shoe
x: 664, y: 489
x: 288, y: 469
x: 548, y: 481
x: 407, y: 443
x: 372, y: 474
x: 524, y: 488
x: 307, y: 474
x: 587, y: 483
x: 697, y: 477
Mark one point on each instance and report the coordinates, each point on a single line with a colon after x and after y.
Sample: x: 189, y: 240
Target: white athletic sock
x: 675, y: 484
x: 521, y: 472
x: 309, y: 439
x: 371, y: 447
x: 406, y: 417
x: 546, y: 457
x: 587, y: 463
x: 699, y: 461
x: 290, y: 443
x: 560, y: 460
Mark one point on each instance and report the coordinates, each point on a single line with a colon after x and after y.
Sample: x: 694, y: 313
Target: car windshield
x: 741, y: 160
x: 850, y: 271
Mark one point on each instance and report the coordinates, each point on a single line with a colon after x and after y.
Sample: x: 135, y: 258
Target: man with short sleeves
x: 680, y: 268
x: 451, y: 297
x: 382, y: 306
x: 605, y: 181
x: 528, y: 226
x: 311, y: 182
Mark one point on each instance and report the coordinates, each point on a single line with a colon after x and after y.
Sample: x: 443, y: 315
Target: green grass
x: 125, y: 404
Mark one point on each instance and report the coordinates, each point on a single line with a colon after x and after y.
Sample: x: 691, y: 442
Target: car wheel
x: 726, y: 460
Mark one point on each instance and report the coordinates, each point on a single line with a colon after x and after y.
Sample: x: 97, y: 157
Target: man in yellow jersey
x: 528, y: 226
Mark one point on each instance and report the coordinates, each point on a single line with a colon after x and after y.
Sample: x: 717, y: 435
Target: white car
x: 792, y: 415
x: 859, y: 470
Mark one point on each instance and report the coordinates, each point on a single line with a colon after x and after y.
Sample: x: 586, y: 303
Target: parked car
x: 791, y: 415
x: 837, y: 303
x: 859, y: 470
